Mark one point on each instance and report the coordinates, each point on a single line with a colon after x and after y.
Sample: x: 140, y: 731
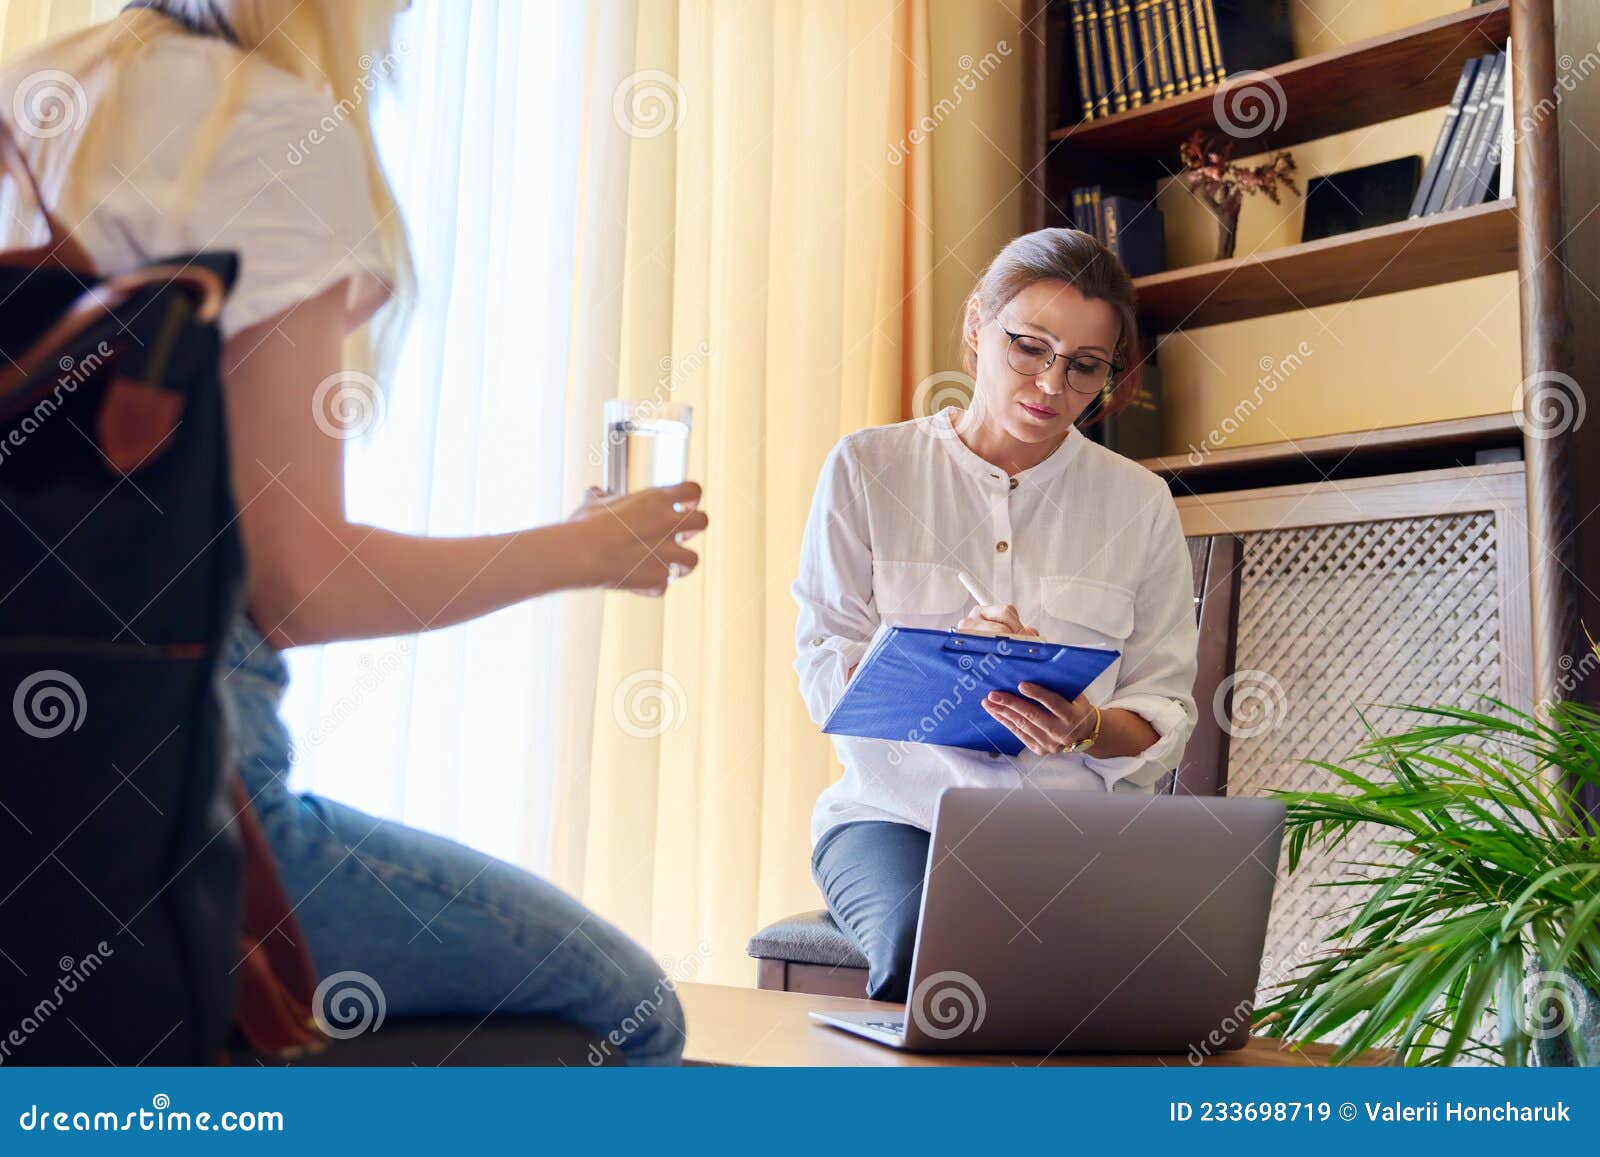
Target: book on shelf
x: 1098, y: 73
x: 1126, y: 220
x: 1168, y: 11
x: 1134, y: 65
x: 1191, y: 52
x: 1483, y: 152
x: 1505, y: 183
x: 1452, y: 116
x: 1458, y: 140
x: 1116, y: 69
x: 1153, y: 51
x: 1077, y: 18
x: 1130, y: 53
x: 1251, y: 35
x: 1361, y: 198
x: 1136, y: 232
x: 1474, y: 146
x: 1205, y: 38
x: 1472, y: 155
x: 1135, y: 430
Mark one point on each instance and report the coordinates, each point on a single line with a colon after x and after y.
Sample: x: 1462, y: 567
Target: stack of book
x: 1135, y: 52
x: 1126, y: 221
x: 1472, y: 159
x: 1134, y: 431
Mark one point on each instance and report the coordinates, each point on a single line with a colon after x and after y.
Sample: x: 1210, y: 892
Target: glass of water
x: 646, y: 444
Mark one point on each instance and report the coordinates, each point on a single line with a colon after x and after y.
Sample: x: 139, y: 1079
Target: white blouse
x: 1087, y: 545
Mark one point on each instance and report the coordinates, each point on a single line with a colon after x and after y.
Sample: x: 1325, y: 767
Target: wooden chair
x: 809, y: 953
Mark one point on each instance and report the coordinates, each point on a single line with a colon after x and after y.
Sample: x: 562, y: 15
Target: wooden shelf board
x: 1363, y: 83
x: 1410, y: 254
x: 1463, y: 434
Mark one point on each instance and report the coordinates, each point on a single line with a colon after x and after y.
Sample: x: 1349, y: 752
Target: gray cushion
x: 807, y: 938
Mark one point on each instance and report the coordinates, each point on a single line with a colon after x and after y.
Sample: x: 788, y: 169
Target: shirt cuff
x: 1172, y: 726
x: 833, y: 658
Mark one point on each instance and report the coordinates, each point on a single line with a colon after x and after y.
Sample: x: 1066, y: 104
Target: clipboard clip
x: 1010, y: 646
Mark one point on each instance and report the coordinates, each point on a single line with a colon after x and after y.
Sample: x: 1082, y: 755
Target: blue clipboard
x: 922, y: 686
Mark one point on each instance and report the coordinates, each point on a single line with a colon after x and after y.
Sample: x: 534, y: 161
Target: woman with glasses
x: 1075, y: 544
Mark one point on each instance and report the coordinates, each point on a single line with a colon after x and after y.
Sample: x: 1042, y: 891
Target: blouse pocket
x: 918, y: 594
x: 1087, y: 613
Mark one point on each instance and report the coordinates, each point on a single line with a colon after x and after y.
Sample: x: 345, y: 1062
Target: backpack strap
x: 63, y: 248
x: 276, y: 980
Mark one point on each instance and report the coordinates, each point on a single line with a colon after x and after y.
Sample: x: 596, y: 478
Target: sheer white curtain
x: 455, y: 730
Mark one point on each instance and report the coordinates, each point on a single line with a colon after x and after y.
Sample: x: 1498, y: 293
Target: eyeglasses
x: 1029, y: 355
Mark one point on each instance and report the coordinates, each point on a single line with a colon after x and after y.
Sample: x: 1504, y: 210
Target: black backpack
x: 120, y: 571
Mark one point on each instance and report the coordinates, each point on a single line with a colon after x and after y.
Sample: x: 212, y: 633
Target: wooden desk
x: 760, y: 1028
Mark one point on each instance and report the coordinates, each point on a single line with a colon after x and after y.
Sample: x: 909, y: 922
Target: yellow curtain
x: 775, y: 275
x: 26, y: 22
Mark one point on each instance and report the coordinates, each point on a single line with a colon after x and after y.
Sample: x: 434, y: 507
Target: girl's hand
x: 1046, y: 723
x: 1000, y: 619
x: 635, y: 541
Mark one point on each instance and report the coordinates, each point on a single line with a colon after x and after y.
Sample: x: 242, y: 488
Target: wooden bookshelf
x: 1354, y: 85
x: 1386, y: 450
x: 1411, y: 254
x: 1377, y: 79
x: 1549, y: 235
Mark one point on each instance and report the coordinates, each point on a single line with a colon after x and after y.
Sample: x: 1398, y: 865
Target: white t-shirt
x: 1087, y: 545
x: 285, y: 188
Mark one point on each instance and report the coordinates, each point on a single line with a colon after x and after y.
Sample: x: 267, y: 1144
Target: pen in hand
x: 999, y: 620
x: 975, y: 589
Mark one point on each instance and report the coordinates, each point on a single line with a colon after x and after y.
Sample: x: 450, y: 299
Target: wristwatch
x: 1087, y: 741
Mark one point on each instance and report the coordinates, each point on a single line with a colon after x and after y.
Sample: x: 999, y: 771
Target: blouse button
x: 1002, y: 546
x: 1013, y: 484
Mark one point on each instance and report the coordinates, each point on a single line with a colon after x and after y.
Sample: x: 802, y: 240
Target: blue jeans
x: 871, y: 872
x: 436, y: 926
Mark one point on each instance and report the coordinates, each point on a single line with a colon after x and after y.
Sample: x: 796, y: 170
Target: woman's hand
x: 1046, y: 723
x: 1000, y: 619
x: 635, y: 541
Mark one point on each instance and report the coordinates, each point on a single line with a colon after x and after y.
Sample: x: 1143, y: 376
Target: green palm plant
x: 1496, y: 887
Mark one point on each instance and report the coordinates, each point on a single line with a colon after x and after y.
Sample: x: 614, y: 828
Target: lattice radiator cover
x: 1339, y: 619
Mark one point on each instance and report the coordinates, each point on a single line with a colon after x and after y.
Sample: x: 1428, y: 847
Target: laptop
x: 1070, y: 921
